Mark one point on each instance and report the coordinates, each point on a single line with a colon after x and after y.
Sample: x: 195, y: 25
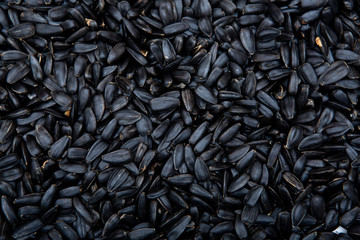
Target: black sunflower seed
x: 17, y: 72
x: 164, y: 103
x: 23, y: 30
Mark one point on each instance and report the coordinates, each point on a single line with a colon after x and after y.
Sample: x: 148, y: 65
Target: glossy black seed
x: 17, y: 72
x: 24, y: 30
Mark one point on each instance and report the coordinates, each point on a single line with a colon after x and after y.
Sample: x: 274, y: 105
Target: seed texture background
x: 179, y: 119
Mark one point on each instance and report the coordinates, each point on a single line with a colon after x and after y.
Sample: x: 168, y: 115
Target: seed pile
x: 179, y: 119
